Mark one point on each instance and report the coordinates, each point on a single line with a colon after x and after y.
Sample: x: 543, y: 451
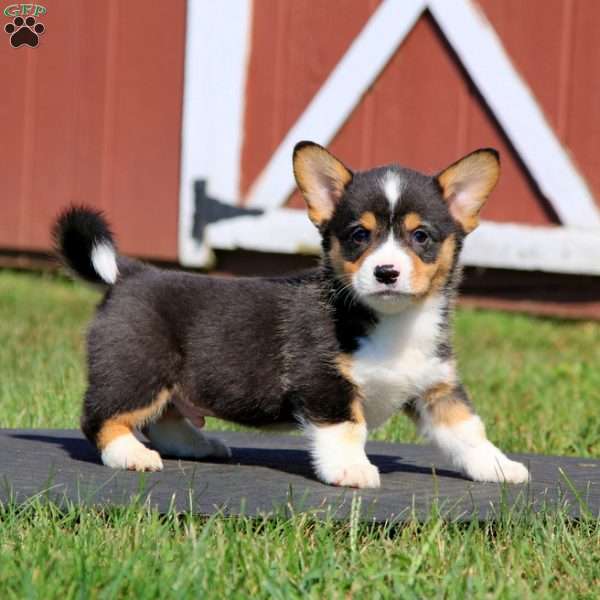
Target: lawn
x: 536, y: 382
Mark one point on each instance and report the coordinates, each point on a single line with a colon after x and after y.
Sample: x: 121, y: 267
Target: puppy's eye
x: 420, y: 236
x: 360, y: 235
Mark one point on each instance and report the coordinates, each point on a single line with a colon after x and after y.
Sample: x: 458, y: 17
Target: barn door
x: 419, y: 82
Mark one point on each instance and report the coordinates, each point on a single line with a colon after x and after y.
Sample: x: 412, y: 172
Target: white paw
x: 512, y: 471
x: 218, y: 448
x: 360, y: 475
x: 489, y: 464
x: 178, y: 438
x: 126, y: 452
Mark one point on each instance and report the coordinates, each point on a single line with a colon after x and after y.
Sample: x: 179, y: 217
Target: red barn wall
x: 423, y: 110
x: 93, y: 115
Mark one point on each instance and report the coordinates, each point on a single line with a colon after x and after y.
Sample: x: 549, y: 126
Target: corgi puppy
x: 337, y: 350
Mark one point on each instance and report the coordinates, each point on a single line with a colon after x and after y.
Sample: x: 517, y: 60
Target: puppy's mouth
x: 388, y: 301
x: 391, y: 294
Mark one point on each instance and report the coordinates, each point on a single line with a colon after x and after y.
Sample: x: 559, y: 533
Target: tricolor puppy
x: 337, y: 350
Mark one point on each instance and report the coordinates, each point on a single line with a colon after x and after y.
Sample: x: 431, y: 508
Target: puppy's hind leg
x: 172, y: 434
x: 114, y: 438
x: 133, y: 364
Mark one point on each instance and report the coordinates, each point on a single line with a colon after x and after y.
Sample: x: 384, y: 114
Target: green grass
x: 536, y: 383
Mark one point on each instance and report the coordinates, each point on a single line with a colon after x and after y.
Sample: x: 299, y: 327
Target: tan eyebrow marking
x: 412, y: 220
x: 368, y: 220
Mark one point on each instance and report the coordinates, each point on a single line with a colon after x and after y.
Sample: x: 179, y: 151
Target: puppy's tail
x: 85, y: 243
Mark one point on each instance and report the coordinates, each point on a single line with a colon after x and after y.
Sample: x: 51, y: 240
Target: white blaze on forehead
x: 392, y: 188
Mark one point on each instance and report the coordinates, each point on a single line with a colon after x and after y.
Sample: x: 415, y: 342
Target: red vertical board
x: 95, y: 115
x: 583, y: 92
x: 423, y: 112
x: 553, y: 44
x: 294, y: 47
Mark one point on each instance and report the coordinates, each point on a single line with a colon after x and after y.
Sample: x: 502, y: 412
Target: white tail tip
x: 104, y: 259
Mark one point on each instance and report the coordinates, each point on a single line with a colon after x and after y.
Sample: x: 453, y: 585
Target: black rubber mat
x: 272, y: 474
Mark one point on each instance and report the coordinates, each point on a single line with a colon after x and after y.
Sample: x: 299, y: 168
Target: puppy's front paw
x: 512, y: 471
x: 360, y: 475
x: 489, y: 464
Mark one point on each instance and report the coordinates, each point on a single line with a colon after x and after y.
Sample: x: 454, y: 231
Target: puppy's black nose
x: 386, y: 274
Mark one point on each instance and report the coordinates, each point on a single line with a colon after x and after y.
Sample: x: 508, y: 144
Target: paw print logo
x: 24, y: 32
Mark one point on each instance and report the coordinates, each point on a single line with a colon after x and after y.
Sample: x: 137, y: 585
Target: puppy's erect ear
x: 467, y: 183
x: 321, y: 178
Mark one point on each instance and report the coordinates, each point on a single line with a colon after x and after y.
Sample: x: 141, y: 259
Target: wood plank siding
x: 93, y: 115
x: 423, y: 110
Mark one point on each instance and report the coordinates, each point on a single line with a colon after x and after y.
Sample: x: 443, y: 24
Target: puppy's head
x: 390, y: 234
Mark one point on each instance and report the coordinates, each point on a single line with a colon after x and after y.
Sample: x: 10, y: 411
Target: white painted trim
x: 283, y: 230
x: 490, y: 67
x: 570, y: 250
x: 513, y: 104
x: 342, y: 91
x: 502, y: 245
x: 216, y: 56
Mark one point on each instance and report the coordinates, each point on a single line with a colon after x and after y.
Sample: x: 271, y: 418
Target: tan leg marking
x: 344, y: 365
x: 126, y: 422
x: 354, y: 432
x: 449, y: 422
x: 444, y: 407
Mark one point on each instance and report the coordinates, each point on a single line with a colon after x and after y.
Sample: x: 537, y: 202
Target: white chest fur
x: 398, y: 361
